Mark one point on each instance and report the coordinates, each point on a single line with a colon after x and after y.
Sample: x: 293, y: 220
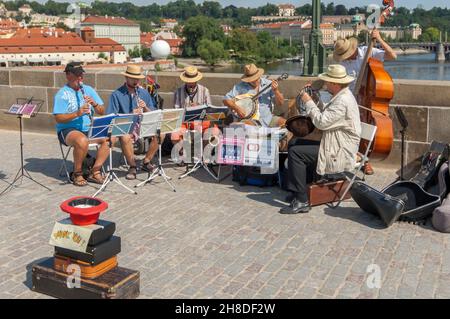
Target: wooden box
x: 329, y: 192
x: 118, y: 283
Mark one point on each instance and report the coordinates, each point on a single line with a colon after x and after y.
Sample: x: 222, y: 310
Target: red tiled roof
x: 147, y: 37
x: 168, y: 20
x: 33, y: 41
x: 109, y: 20
x: 87, y: 29
x: 286, y: 6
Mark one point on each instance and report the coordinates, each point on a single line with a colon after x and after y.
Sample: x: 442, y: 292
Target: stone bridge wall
x: 426, y: 104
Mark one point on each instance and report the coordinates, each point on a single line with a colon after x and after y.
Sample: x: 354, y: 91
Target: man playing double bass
x: 251, y: 83
x: 339, y: 121
x: 347, y: 53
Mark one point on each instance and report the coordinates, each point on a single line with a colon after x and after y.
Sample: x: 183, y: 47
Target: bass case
x: 419, y: 204
x: 370, y: 200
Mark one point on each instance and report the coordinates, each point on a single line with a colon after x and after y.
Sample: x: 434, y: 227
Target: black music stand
x: 120, y: 125
x: 199, y: 114
x: 25, y: 108
x: 404, y: 124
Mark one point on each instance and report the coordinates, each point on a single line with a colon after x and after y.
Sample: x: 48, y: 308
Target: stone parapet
x: 426, y: 104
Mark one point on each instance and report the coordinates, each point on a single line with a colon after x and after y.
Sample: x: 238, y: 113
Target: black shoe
x: 296, y: 207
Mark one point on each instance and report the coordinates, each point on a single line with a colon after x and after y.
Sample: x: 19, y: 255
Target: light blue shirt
x: 354, y: 66
x: 67, y: 101
x: 264, y: 100
x: 121, y: 102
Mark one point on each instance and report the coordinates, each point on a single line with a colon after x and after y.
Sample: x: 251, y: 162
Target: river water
x: 414, y: 67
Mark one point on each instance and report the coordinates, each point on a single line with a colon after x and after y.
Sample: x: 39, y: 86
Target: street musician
x: 339, y: 121
x: 251, y: 84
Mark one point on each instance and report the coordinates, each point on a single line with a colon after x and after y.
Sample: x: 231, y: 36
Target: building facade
x: 286, y: 10
x: 121, y: 30
x: 50, y: 46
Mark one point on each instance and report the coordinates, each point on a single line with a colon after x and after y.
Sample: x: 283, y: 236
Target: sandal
x: 78, y: 179
x: 131, y: 173
x: 96, y: 177
x: 147, y: 166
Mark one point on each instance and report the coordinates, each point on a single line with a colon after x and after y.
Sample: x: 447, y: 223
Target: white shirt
x: 354, y: 66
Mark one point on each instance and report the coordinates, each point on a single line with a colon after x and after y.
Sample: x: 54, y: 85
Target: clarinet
x: 84, y: 94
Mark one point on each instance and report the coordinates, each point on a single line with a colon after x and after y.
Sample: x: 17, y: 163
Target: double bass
x: 374, y: 89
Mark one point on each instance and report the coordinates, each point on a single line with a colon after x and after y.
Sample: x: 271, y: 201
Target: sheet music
x: 150, y: 123
x: 172, y: 120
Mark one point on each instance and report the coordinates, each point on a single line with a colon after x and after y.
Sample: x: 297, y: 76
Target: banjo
x: 248, y: 102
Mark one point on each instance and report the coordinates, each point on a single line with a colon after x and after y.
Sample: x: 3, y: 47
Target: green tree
x: 135, y: 53
x: 211, y: 51
x: 199, y: 28
x: 211, y: 9
x: 431, y: 34
x: 304, y: 10
x: 329, y: 10
x: 340, y: 10
x: 102, y: 55
x: 245, y: 44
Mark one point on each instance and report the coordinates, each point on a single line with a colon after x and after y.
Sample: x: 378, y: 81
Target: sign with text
x: 69, y: 236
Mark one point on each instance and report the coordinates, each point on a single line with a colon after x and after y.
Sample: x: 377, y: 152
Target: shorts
x: 62, y: 135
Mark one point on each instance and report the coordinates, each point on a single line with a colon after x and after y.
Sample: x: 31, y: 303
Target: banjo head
x: 248, y: 106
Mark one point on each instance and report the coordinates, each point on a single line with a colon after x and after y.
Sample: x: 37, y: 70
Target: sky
x: 428, y: 4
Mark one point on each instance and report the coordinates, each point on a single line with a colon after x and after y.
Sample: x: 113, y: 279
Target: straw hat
x: 191, y: 75
x: 336, y: 73
x: 344, y: 48
x: 134, y: 72
x: 251, y: 73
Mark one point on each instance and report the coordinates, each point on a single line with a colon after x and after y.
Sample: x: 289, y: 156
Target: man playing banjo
x: 251, y: 84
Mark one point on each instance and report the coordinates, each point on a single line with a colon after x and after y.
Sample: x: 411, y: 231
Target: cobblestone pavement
x: 212, y: 240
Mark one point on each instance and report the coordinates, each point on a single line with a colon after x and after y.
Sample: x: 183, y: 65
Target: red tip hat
x: 84, y: 210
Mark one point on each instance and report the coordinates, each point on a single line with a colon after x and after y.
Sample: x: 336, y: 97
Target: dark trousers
x: 302, y: 162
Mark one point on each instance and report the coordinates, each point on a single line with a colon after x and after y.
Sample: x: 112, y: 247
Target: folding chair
x: 368, y: 134
x: 65, y: 155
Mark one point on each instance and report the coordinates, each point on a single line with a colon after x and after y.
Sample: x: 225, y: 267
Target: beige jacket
x: 340, y: 122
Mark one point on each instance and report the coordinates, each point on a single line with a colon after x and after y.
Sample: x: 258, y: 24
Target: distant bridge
x: 430, y: 46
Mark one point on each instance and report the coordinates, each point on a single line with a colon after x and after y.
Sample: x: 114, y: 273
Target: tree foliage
x: 211, y: 51
x: 198, y: 28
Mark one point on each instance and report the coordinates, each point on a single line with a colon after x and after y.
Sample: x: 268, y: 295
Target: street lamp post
x: 314, y: 53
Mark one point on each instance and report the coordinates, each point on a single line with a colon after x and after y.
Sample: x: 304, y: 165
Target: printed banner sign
x: 69, y: 236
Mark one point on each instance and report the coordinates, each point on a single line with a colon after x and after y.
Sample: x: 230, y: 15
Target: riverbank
x: 411, y: 51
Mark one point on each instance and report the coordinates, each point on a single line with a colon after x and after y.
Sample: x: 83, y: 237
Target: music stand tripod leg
x: 159, y: 171
x: 111, y: 175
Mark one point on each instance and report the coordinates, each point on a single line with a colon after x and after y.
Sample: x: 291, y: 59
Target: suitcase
x: 61, y: 263
x: 100, y: 235
x: 118, y: 283
x: 384, y: 206
x: 329, y: 192
x: 94, y: 255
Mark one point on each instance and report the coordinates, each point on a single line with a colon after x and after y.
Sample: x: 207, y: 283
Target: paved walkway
x: 214, y: 240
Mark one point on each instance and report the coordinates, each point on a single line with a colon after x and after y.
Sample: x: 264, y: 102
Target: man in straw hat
x: 74, y: 105
x: 339, y: 120
x: 251, y: 83
x: 127, y: 99
x: 347, y: 53
x: 190, y: 94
